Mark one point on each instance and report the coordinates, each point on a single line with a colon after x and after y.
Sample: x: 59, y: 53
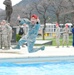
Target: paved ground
x: 49, y: 51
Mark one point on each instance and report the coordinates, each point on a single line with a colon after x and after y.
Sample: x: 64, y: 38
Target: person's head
x: 4, y: 22
x: 66, y: 25
x: 34, y: 19
x: 57, y: 25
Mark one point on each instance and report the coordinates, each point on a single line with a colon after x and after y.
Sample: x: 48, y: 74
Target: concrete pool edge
x: 50, y: 54
x: 38, y: 59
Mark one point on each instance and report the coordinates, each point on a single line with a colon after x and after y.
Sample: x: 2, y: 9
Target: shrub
x: 18, y: 37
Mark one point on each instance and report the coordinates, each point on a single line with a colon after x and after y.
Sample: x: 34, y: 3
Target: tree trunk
x: 64, y: 20
x: 44, y: 29
x: 73, y: 18
x: 57, y: 15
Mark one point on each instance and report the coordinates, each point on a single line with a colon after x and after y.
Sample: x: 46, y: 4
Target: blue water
x: 58, y: 68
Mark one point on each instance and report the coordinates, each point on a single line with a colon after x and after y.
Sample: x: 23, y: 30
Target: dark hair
x: 37, y: 22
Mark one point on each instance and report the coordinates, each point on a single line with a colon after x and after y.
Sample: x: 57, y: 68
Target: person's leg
x: 57, y: 42
x: 67, y: 40
x: 31, y: 49
x: 0, y: 41
x: 9, y: 17
x: 9, y: 41
x: 73, y: 41
x: 63, y: 40
x: 20, y: 42
x: 5, y: 42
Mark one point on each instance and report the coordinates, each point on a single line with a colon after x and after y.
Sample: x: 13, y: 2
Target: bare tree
x: 72, y: 13
x: 57, y: 8
x: 28, y: 10
x: 69, y: 11
x: 42, y: 9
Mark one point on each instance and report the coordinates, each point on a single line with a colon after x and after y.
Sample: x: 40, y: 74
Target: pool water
x: 56, y: 68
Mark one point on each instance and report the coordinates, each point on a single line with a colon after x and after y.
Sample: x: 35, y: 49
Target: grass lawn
x: 54, y: 40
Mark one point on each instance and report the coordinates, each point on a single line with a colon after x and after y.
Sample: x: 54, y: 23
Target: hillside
x: 1, y: 10
x: 16, y: 10
x: 20, y: 9
x: 25, y: 2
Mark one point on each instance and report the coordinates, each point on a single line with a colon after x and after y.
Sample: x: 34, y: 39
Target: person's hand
x: 24, y: 25
x: 38, y: 20
x: 18, y: 17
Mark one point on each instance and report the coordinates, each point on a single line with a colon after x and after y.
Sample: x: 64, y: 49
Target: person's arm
x: 8, y: 27
x: 64, y: 31
x: 38, y: 21
x: 68, y: 30
x: 73, y: 30
x: 23, y: 21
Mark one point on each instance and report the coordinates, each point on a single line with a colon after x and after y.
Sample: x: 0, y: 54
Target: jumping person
x: 30, y: 38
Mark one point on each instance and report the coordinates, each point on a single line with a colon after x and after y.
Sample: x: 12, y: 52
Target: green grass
x: 54, y: 40
x: 61, y: 40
